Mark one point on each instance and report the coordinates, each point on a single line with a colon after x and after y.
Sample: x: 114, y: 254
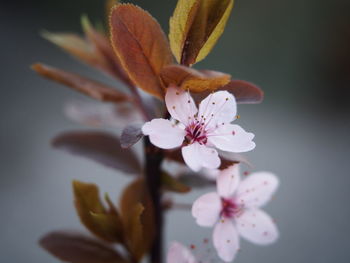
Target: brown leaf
x: 105, y: 224
x: 80, y: 48
x: 245, y: 92
x: 135, y: 203
x: 195, y: 27
x: 84, y: 85
x: 174, y: 185
x: 141, y: 46
x: 194, y: 80
x: 101, y: 147
x: 104, y: 51
x: 77, y: 248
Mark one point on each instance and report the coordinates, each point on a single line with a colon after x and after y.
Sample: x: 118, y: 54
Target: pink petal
x: 198, y: 156
x: 163, y: 133
x: 218, y: 107
x: 178, y: 253
x: 228, y: 181
x: 257, y: 189
x: 206, y: 209
x: 232, y: 138
x: 257, y: 227
x: 226, y: 240
x: 180, y: 104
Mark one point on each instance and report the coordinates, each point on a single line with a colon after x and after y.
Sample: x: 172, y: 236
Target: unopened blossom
x: 234, y: 210
x: 199, y: 131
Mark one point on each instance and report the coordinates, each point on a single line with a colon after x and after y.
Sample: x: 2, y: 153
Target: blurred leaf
x: 136, y: 211
x: 77, y: 248
x: 195, y: 27
x: 78, y: 47
x: 84, y: 85
x: 131, y: 135
x: 245, y: 92
x: 101, y: 147
x: 104, y: 224
x: 174, y: 185
x: 195, y: 180
x: 97, y: 114
x: 141, y: 46
x: 104, y: 51
x: 194, y: 80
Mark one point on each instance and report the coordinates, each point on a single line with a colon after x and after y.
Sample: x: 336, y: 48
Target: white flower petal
x: 257, y: 227
x: 257, y: 189
x: 226, y: 240
x: 198, y: 156
x: 180, y: 104
x: 228, y: 181
x: 163, y: 133
x: 218, y: 107
x: 178, y: 253
x: 206, y: 209
x: 231, y: 138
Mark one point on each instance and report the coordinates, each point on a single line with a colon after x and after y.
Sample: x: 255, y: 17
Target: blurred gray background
x: 297, y: 51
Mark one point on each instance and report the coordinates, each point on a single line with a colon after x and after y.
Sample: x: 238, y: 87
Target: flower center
x: 195, y: 132
x: 229, y: 208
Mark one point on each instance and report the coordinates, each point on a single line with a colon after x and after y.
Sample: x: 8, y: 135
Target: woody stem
x: 153, y: 160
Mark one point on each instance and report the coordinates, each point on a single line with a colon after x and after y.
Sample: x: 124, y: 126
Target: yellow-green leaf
x: 180, y: 24
x: 134, y: 201
x: 104, y: 224
x: 141, y: 46
x: 196, y: 26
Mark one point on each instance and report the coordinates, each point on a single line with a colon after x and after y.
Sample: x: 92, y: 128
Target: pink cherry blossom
x: 199, y: 131
x: 234, y: 210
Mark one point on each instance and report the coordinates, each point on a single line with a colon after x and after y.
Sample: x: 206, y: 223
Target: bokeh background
x: 297, y: 51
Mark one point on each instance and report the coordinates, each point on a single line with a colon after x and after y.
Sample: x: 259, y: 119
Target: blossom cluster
x: 234, y: 209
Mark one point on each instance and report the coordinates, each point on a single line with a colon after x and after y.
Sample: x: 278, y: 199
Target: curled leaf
x: 141, y: 46
x: 131, y: 135
x: 77, y: 248
x: 136, y: 211
x: 84, y: 85
x: 174, y: 185
x: 196, y: 26
x: 194, y: 80
x: 101, y: 222
x: 101, y: 147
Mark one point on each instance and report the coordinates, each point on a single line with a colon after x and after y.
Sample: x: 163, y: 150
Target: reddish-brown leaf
x: 141, y: 46
x: 104, y: 51
x: 194, y: 80
x: 245, y: 92
x: 101, y: 147
x: 84, y: 85
x: 78, y: 248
